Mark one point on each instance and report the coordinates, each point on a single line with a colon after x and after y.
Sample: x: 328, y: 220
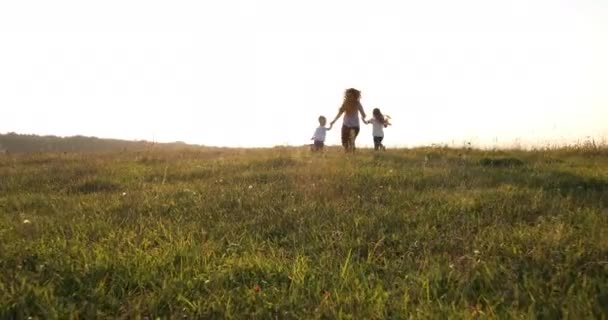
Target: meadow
x: 281, y: 233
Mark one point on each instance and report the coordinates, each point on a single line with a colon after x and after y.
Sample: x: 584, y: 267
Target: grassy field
x: 283, y: 233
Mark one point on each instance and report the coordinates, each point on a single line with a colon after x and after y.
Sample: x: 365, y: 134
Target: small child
x: 379, y: 122
x: 319, y: 136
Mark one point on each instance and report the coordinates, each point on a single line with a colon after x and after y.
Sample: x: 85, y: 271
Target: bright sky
x: 259, y: 73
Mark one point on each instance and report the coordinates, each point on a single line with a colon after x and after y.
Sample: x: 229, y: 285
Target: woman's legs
x: 349, y: 135
x: 345, y: 133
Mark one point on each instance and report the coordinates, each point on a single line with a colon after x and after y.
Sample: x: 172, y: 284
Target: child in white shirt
x: 319, y: 136
x: 379, y: 122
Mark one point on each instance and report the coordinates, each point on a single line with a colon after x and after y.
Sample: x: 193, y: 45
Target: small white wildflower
x: 26, y: 221
x: 451, y: 266
x: 476, y: 251
x: 124, y: 194
x: 250, y: 187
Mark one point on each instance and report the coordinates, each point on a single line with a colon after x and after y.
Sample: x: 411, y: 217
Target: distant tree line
x: 26, y: 143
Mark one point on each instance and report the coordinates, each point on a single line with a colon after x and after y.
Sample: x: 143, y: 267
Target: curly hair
x: 351, y: 101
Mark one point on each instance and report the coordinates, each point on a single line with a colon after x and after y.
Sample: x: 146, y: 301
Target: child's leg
x: 377, y: 143
x: 320, y: 145
x: 317, y: 145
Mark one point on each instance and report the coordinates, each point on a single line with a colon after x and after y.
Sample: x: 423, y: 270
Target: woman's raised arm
x: 340, y: 112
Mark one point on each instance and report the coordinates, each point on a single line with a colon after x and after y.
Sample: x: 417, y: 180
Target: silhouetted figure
x: 319, y: 136
x: 379, y: 122
x: 351, y: 107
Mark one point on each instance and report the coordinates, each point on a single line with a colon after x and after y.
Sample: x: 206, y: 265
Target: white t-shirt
x: 378, y: 127
x: 320, y: 134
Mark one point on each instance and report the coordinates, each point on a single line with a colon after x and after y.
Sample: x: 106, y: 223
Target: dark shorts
x: 346, y: 133
x: 378, y: 142
x: 317, y: 145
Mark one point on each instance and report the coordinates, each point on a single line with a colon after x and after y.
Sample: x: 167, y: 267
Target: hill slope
x: 426, y: 233
x: 28, y: 143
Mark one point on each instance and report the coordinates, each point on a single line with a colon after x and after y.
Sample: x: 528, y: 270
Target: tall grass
x: 283, y: 233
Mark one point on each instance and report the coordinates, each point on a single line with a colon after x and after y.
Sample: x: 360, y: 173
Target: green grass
x: 283, y: 233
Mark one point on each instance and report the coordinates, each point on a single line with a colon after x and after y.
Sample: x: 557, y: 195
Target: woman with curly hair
x: 351, y: 107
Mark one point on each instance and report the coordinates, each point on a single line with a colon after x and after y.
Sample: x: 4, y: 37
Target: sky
x: 245, y: 73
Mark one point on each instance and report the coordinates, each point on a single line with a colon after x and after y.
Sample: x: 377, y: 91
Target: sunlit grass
x: 283, y: 233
